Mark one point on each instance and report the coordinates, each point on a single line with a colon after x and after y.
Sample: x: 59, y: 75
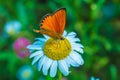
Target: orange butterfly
x: 53, y: 25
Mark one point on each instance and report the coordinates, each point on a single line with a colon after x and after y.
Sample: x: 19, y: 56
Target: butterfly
x: 53, y: 24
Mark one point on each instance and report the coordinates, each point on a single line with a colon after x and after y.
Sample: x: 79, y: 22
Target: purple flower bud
x: 20, y: 47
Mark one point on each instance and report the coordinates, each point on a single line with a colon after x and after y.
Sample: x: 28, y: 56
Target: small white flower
x: 50, y: 54
x: 13, y: 27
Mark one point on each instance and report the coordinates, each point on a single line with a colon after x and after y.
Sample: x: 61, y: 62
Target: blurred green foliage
x: 97, y: 23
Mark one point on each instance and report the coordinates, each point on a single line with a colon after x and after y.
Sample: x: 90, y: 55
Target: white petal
x: 36, y: 58
x: 41, y: 39
x: 53, y: 69
x: 77, y: 47
x: 77, y: 58
x: 72, y: 34
x: 47, y: 65
x: 71, y: 39
x: 79, y: 50
x: 63, y: 67
x: 64, y: 33
x: 67, y: 62
x: 72, y: 62
x: 31, y: 50
x: 36, y: 47
x: 36, y: 53
x: 76, y: 40
x: 47, y: 37
x: 39, y: 43
x: 41, y: 62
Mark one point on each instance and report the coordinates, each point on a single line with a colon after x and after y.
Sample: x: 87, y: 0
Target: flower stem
x: 59, y: 75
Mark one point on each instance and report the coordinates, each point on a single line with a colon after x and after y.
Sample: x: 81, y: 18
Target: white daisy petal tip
x: 80, y: 51
x: 77, y: 47
x: 76, y: 57
x: 72, y: 34
x: 76, y: 39
x: 36, y: 58
x: 28, y: 46
x: 72, y: 62
x: 35, y: 47
x: 41, y: 62
x: 46, y: 66
x: 53, y: 69
x: 63, y: 67
x: 36, y: 54
x: 82, y: 61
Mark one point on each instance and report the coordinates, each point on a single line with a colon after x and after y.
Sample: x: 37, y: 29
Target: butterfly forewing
x: 60, y: 20
x: 47, y: 23
x: 55, y: 22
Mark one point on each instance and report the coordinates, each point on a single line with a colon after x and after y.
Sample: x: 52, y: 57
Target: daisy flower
x: 50, y: 54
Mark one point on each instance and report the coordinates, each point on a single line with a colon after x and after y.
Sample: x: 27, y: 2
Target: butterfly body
x: 53, y: 25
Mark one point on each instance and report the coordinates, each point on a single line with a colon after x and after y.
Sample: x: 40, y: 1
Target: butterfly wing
x: 55, y: 22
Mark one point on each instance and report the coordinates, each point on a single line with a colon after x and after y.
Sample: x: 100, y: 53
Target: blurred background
x: 97, y: 23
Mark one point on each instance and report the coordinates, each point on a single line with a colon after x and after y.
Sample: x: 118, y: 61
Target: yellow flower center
x: 26, y: 74
x: 57, y: 49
